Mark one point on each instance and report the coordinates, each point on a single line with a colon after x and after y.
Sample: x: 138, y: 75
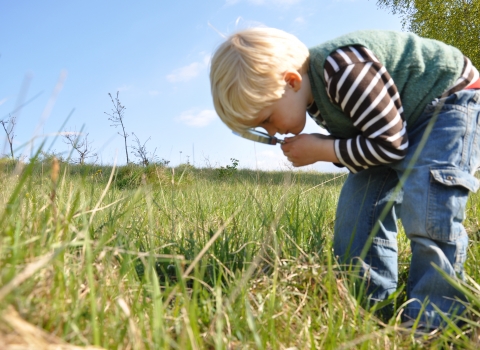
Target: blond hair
x: 247, y: 72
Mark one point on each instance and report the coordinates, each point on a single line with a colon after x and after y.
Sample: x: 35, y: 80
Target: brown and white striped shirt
x: 361, y: 86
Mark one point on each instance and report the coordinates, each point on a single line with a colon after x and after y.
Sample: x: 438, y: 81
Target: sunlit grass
x: 183, y: 258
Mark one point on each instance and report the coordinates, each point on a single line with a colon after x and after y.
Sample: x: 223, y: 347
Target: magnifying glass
x: 259, y: 136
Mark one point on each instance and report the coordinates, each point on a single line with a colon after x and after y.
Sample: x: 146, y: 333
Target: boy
x: 402, y: 113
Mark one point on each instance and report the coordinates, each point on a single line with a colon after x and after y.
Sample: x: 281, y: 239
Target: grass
x: 185, y: 258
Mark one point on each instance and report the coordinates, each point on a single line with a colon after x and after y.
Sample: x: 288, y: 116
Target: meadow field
x: 192, y: 258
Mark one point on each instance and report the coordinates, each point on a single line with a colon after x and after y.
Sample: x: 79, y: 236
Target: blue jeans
x: 428, y: 191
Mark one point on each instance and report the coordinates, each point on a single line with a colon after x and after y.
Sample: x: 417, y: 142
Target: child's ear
x: 293, y: 79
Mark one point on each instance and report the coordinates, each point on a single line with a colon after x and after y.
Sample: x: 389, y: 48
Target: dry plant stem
x: 294, y: 243
x: 103, y: 195
x: 230, y: 273
x: 29, y: 270
x: 323, y: 183
x: 54, y: 177
x: 9, y: 132
x: 145, y: 255
x: 81, y: 145
x: 32, y: 337
x: 12, y: 120
x: 117, y: 119
x: 304, y: 298
x: 99, y: 209
x: 186, y: 320
x: 140, y: 151
x: 134, y: 332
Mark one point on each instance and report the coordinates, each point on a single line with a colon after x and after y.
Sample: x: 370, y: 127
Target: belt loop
x: 476, y: 96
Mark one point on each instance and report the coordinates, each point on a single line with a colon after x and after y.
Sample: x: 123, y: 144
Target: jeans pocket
x: 447, y: 199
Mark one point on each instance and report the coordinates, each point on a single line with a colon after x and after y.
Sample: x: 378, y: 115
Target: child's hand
x: 305, y: 149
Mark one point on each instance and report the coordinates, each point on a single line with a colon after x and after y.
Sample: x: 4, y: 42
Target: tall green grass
x: 162, y: 258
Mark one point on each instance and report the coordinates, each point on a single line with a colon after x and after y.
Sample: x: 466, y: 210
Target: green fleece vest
x: 422, y: 70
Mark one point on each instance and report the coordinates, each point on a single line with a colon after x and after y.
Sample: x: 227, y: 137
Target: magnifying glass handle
x: 259, y: 136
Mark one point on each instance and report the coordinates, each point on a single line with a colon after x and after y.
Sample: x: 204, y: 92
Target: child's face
x: 288, y: 114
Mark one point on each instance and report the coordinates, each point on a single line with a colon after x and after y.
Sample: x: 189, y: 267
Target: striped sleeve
x: 469, y: 75
x: 361, y: 86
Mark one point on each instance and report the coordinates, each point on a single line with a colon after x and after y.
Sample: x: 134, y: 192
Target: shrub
x: 229, y: 170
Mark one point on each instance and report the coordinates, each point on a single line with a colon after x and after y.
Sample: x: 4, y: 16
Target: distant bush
x: 7, y: 162
x: 47, y: 157
x: 132, y: 176
x: 228, y: 170
x: 128, y: 176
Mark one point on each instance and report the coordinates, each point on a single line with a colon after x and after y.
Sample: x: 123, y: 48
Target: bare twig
x: 116, y: 117
x: 29, y: 270
x: 81, y: 145
x: 9, y: 127
x: 140, y: 151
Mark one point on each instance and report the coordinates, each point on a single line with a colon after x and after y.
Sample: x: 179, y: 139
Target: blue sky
x: 156, y: 54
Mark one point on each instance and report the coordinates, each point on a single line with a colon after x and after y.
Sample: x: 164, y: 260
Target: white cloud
x: 191, y: 71
x: 153, y: 92
x: 185, y: 73
x: 197, y: 119
x: 3, y: 101
x: 124, y: 87
x: 299, y: 20
x: 206, y: 59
